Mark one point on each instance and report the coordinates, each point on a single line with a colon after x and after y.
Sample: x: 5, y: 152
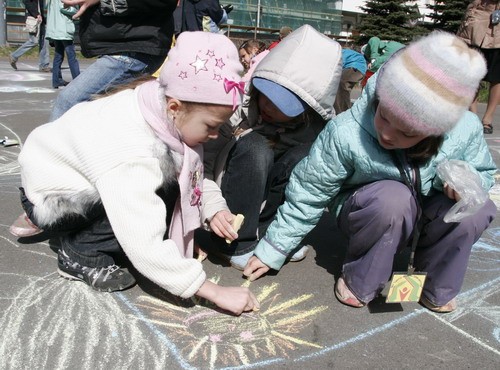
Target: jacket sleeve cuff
x: 270, y: 254
x: 195, y: 286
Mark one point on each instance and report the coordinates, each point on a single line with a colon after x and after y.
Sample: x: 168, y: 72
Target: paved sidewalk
x: 47, y: 322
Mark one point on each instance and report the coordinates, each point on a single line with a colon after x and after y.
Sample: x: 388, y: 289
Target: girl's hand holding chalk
x: 237, y: 222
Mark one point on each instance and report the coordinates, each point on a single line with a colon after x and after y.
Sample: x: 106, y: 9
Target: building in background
x: 323, y: 15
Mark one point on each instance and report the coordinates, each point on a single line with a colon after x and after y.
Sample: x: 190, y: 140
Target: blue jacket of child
x: 347, y: 155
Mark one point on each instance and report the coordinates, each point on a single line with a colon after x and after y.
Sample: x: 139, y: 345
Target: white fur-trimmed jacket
x: 104, y: 151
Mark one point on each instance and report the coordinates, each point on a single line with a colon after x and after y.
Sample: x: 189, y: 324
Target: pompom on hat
x: 203, y: 67
x: 429, y: 84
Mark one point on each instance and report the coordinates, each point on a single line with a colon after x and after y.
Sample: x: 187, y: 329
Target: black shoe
x: 103, y: 279
x: 13, y: 63
x: 45, y: 69
x: 62, y: 84
x: 487, y: 128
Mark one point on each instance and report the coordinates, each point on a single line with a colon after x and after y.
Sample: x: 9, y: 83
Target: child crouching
x: 123, y: 174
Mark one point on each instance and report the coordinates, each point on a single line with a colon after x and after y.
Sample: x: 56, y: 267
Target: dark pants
x: 379, y: 219
x: 61, y: 47
x: 253, y: 175
x: 89, y: 239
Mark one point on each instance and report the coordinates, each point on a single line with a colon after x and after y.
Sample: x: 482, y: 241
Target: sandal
x: 487, y: 128
x: 23, y: 227
x: 345, y: 296
x: 448, y: 307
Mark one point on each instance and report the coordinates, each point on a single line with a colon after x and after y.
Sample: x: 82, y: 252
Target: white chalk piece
x: 237, y: 222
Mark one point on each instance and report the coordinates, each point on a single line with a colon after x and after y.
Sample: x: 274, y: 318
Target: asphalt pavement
x: 47, y: 322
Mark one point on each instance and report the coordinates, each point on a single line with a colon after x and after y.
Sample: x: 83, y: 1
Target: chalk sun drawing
x: 206, y: 336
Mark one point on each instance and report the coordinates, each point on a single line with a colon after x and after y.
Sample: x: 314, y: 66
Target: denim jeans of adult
x: 61, y: 47
x: 105, y: 72
x: 34, y: 40
x: 379, y: 220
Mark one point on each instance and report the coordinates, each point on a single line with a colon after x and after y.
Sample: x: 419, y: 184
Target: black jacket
x: 33, y: 6
x: 119, y: 26
x: 189, y: 14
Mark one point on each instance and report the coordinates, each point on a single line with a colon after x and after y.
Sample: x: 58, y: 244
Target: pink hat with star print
x: 203, y: 67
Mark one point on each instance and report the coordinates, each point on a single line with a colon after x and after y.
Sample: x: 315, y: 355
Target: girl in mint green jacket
x: 374, y: 166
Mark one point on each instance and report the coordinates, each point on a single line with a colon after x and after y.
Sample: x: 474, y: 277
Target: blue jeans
x: 379, y: 219
x: 105, y: 72
x: 34, y: 40
x: 61, y: 47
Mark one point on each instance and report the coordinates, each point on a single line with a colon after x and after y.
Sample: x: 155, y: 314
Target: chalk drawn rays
x: 206, y: 336
x: 69, y: 325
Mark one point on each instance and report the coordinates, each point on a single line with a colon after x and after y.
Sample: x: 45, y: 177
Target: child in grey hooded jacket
x: 292, y: 93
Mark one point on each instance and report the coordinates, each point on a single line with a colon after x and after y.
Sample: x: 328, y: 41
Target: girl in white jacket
x: 123, y: 174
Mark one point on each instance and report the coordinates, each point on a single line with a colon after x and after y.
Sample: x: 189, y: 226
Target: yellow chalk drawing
x: 209, y: 338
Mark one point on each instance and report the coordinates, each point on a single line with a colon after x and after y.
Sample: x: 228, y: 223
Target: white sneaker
x: 300, y: 254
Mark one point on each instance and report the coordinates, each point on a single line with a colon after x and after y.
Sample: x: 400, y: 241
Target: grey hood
x: 298, y: 63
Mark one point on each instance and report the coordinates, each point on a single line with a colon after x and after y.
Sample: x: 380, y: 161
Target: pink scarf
x: 186, y: 216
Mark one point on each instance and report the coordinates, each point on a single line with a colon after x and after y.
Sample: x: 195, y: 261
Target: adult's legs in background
x: 74, y: 66
x: 492, y: 57
x: 57, y: 79
x: 493, y: 101
x: 43, y: 49
x: 28, y: 45
x: 106, y: 71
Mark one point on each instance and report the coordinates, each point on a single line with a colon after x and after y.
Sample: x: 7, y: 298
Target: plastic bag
x: 466, y: 182
x: 31, y: 25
